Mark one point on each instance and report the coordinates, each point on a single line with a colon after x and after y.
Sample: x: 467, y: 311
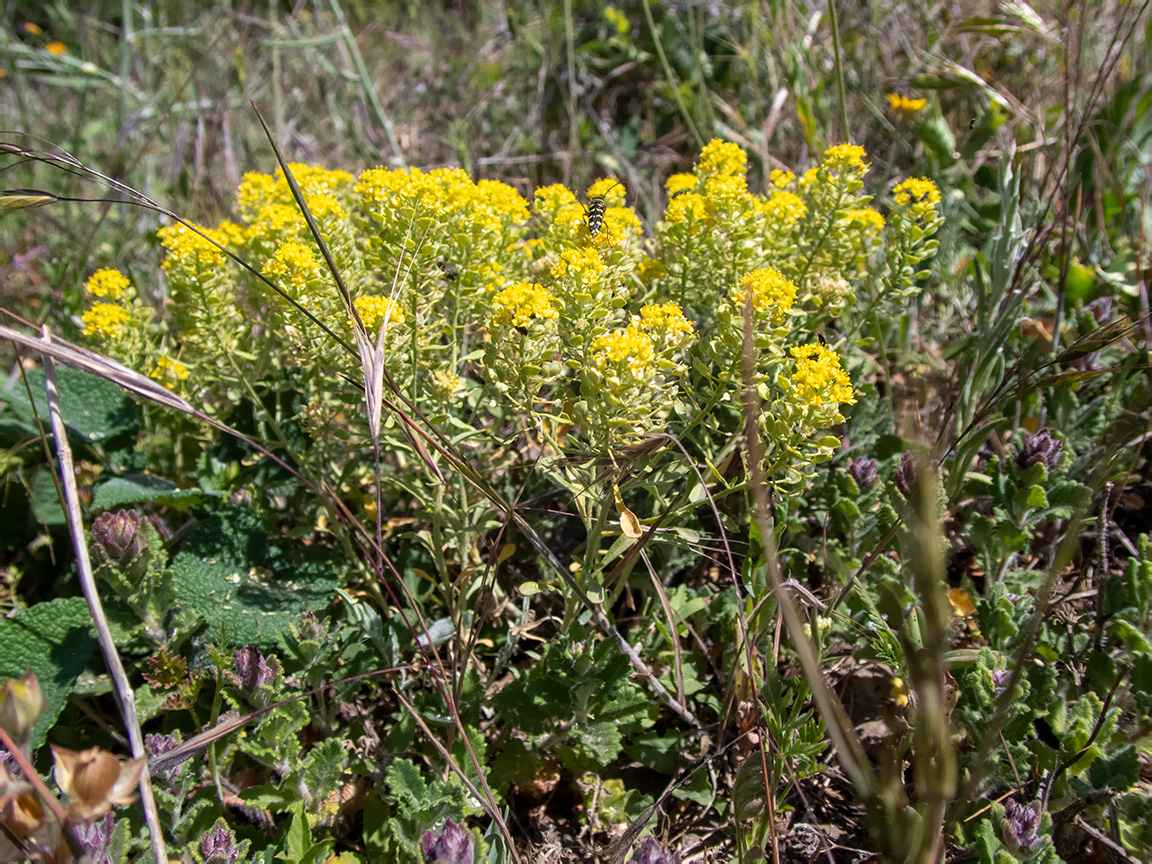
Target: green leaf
x: 220, y: 577
x: 93, y: 409
x: 322, y: 769
x: 1121, y: 770
x: 601, y: 741
x: 137, y: 488
x: 53, y: 639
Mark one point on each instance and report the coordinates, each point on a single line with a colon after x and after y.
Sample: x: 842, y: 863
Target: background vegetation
x: 578, y: 658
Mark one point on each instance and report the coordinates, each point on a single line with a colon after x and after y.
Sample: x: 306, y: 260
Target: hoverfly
x: 595, y: 211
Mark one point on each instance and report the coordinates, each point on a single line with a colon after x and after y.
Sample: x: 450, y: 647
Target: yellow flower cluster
x: 520, y: 303
x: 783, y: 208
x: 687, y: 207
x: 374, y: 311
x: 769, y: 290
x: 104, y: 320
x: 905, y: 105
x: 629, y: 346
x: 916, y: 190
x: 722, y: 159
x: 819, y: 381
x: 866, y: 218
x: 188, y: 250
x: 583, y: 265
x: 293, y: 263
x: 169, y: 372
x: 846, y: 158
x: 665, y: 318
x: 107, y: 283
x: 259, y: 190
x: 678, y: 183
x: 780, y: 179
x: 442, y: 193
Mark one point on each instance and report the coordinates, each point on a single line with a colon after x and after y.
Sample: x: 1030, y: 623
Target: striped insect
x: 595, y: 210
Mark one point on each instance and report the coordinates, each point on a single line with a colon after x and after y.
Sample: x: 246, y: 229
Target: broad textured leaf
x: 94, y: 409
x: 137, y: 488
x: 53, y: 639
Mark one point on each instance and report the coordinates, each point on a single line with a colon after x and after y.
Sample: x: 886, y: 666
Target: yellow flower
x: 725, y: 188
x: 188, y: 250
x: 104, y: 320
x: 32, y: 29
x: 56, y: 48
x: 322, y: 206
x: 687, y: 207
x: 665, y: 320
x: 375, y: 310
x: 678, y: 183
x: 107, y: 283
x: 722, y: 159
x: 905, y: 105
x: 845, y: 157
x: 769, y: 290
x: 585, y: 265
x: 780, y: 179
x: 520, y: 303
x: 866, y: 218
x: 783, y: 207
x: 295, y: 263
x: 916, y: 190
x: 629, y: 346
x: 502, y: 200
x: 899, y: 693
x: 608, y: 188
x: 169, y: 372
x: 617, y: 19
x: 819, y: 380
x: 809, y: 177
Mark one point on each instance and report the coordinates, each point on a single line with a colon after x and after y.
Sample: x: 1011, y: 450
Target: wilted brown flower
x: 94, y: 780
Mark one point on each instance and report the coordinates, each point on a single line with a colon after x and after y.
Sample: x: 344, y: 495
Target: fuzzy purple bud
x: 251, y: 669
x: 311, y: 630
x: 96, y: 837
x: 453, y: 845
x: 651, y: 852
x: 1021, y: 827
x: 117, y: 537
x: 158, y: 745
x: 1000, y: 678
x: 863, y: 471
x: 1041, y: 447
x: 218, y: 846
x: 906, y: 476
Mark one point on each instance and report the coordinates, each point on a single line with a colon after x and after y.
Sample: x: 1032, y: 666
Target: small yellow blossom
x: 235, y: 236
x: 780, y: 178
x: 169, y: 372
x: 866, y: 218
x: 722, y: 159
x: 585, y: 265
x: 502, y: 200
x: 293, y: 263
x: 608, y: 188
x: 678, y: 183
x: 107, y: 283
x: 769, y: 290
x: 784, y: 207
x: 899, y: 693
x: 520, y: 303
x: 32, y: 29
x: 809, y: 177
x: 374, y: 311
x: 322, y: 206
x: 443, y: 385
x: 846, y: 157
x: 188, y: 249
x: 726, y: 188
x: 629, y: 346
x: 819, y: 379
x: 916, y: 190
x: 905, y: 105
x: 618, y: 20
x: 56, y: 48
x: 687, y: 207
x: 104, y: 320
x: 665, y: 318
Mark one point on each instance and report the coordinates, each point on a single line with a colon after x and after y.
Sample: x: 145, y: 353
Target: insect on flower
x: 595, y: 211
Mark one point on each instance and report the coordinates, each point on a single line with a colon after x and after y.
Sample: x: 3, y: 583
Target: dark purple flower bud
x: 117, y: 538
x: 651, y: 852
x: 158, y: 745
x: 863, y: 471
x: 218, y: 846
x: 96, y: 837
x: 905, y: 477
x: 251, y: 669
x: 1021, y: 827
x: 1041, y: 447
x: 453, y: 845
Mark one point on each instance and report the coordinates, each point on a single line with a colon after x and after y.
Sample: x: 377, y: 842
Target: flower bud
x: 863, y: 471
x: 20, y: 706
x: 252, y: 670
x: 1041, y: 447
x: 453, y: 845
x: 651, y: 852
x: 218, y: 846
x: 1021, y: 827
